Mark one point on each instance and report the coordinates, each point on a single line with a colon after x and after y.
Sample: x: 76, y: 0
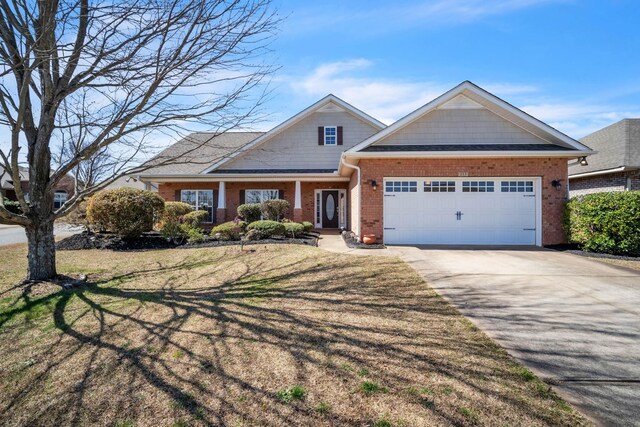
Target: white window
x: 259, y: 196
x: 200, y: 200
x: 330, y: 135
x: 477, y: 186
x: 59, y: 199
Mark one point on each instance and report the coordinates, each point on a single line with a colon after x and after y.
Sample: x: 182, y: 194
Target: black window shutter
x: 281, y: 195
x: 320, y: 135
x: 339, y: 135
x: 242, y: 199
x: 177, y: 196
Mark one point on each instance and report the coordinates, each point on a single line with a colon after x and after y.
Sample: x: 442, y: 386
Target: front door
x: 330, y: 207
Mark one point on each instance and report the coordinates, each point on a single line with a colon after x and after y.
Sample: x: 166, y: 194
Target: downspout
x: 357, y: 168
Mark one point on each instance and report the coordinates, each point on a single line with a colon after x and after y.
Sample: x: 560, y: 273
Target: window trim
x: 335, y: 135
x: 197, y: 206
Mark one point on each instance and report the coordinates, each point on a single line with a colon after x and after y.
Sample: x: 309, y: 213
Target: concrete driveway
x: 572, y: 320
x: 11, y: 234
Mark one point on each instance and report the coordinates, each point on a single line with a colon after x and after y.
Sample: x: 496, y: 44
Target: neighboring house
x: 64, y: 190
x: 466, y: 168
x: 130, y: 182
x: 616, y: 166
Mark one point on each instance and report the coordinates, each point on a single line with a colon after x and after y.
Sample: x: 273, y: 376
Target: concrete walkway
x: 12, y: 234
x: 572, y: 320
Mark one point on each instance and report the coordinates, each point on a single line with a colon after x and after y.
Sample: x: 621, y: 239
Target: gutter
x: 465, y: 154
x: 357, y: 168
x: 603, y: 172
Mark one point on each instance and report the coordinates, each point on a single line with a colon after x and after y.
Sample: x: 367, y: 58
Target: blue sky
x: 574, y: 64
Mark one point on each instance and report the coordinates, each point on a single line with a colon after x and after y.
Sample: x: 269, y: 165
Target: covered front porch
x: 323, y: 202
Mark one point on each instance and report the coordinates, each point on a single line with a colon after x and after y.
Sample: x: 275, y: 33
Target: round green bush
x: 293, y: 229
x: 196, y: 218
x: 229, y: 230
x: 307, y: 225
x: 126, y: 211
x: 275, y: 209
x: 267, y: 228
x: 605, y: 222
x: 250, y: 212
x: 174, y: 210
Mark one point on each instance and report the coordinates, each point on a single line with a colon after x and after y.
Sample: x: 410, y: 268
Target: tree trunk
x: 42, y: 251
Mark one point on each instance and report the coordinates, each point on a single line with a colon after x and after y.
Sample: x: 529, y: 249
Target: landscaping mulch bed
x: 151, y: 241
x: 352, y: 241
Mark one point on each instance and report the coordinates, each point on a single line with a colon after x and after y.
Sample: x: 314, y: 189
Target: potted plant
x: 369, y: 239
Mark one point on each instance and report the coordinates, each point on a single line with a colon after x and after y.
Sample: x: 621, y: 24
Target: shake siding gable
x: 298, y: 147
x: 463, y: 126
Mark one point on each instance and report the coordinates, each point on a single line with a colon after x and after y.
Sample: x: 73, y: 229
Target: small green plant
x: 178, y: 354
x: 295, y: 392
x: 193, y: 234
x: 347, y: 367
x: 266, y: 228
x: 369, y: 388
x: 323, y: 408
x: 524, y: 373
x: 250, y: 212
x: 363, y: 372
x: 383, y: 422
x: 468, y: 413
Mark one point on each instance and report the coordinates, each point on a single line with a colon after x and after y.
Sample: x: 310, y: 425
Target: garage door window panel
x: 478, y: 186
x: 516, y: 187
x: 401, y: 187
x: 439, y: 186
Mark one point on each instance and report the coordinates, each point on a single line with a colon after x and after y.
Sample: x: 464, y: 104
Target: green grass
x: 524, y: 373
x: 383, y: 422
x: 292, y: 393
x: 178, y: 354
x: 369, y: 388
x: 322, y: 408
x: 469, y: 414
x: 363, y: 372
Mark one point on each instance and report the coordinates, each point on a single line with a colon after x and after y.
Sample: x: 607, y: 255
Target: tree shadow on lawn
x: 212, y: 343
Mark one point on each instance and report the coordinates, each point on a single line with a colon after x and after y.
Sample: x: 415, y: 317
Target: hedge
x: 267, y: 228
x: 275, y: 209
x: 307, y: 225
x: 174, y: 210
x: 605, y: 222
x: 196, y: 218
x: 126, y: 211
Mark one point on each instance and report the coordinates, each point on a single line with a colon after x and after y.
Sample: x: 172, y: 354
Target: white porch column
x: 298, y: 200
x: 221, y: 196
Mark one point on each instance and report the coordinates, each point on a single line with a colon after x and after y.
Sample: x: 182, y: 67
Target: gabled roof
x: 476, y: 96
x: 618, y: 147
x: 197, y: 151
x: 318, y: 106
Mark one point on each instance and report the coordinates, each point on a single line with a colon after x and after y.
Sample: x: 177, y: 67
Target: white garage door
x: 448, y: 211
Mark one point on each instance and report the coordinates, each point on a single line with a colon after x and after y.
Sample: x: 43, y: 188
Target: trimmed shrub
x: 196, y: 218
x: 12, y: 206
x: 307, y: 226
x: 293, y: 229
x: 229, y: 230
x: 250, y: 212
x: 176, y: 210
x: 605, y: 222
x: 128, y: 212
x: 192, y: 234
x: 274, y: 209
x: 267, y: 228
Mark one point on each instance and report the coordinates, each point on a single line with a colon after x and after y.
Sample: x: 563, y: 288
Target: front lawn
x: 272, y: 335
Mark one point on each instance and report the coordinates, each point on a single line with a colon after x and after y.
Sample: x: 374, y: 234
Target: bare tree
x: 85, y: 86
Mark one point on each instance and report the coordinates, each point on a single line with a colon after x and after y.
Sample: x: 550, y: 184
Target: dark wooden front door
x: 330, y: 206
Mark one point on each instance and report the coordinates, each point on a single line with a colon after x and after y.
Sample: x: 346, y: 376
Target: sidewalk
x: 331, y: 240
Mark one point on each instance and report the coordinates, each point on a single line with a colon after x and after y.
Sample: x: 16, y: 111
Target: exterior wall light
x: 583, y: 161
x: 374, y: 184
x: 556, y: 184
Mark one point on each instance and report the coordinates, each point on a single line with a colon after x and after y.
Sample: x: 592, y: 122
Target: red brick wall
x: 232, y: 189
x: 602, y: 183
x: 548, y: 168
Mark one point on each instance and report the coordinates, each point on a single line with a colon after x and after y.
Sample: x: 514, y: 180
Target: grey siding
x: 297, y: 146
x: 620, y: 181
x: 461, y: 126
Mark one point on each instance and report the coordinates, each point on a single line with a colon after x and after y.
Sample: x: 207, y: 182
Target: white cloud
x: 389, y: 99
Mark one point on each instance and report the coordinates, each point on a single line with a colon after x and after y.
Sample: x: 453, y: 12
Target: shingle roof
x: 6, y: 181
x: 617, y: 145
x: 198, y: 151
x: 466, y: 147
x: 273, y: 171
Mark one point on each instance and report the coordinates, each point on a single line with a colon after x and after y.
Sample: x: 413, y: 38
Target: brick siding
x: 602, y: 183
x: 548, y: 169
